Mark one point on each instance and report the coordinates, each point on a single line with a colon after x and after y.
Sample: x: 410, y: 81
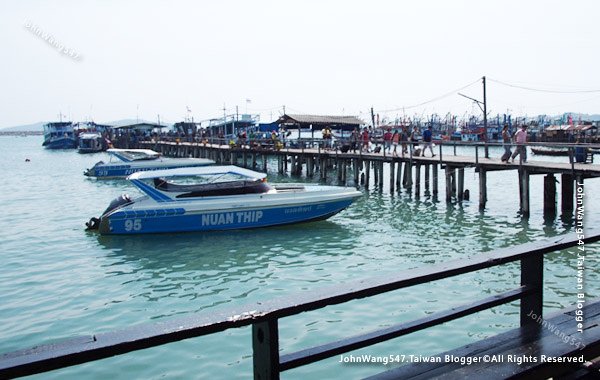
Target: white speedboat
x: 217, y: 198
x: 124, y: 162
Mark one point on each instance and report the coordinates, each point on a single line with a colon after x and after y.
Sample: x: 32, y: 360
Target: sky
x: 111, y: 60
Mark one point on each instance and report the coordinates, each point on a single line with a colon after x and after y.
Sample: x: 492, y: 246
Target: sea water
x: 58, y: 281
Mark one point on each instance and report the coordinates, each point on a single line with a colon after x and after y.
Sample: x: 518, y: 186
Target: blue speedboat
x: 124, y: 162
x: 217, y: 198
x: 59, y: 135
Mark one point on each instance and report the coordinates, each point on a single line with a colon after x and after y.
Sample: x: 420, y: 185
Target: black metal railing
x: 264, y: 316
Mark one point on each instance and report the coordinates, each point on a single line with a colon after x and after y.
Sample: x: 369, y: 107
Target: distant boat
x: 129, y: 161
x: 90, y: 142
x: 59, y: 135
x: 544, y: 151
x: 214, y: 198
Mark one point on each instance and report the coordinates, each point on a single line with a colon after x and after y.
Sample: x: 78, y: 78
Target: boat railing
x: 264, y: 317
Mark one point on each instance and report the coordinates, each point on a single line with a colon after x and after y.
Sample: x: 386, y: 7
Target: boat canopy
x: 134, y: 154
x: 198, y: 171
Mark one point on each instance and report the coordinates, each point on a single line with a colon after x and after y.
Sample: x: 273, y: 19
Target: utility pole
x: 485, y: 126
x: 372, y: 117
x: 484, y: 110
x: 224, y: 119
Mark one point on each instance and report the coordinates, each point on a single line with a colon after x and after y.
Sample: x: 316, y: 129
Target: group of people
x: 399, y: 138
x: 519, y: 138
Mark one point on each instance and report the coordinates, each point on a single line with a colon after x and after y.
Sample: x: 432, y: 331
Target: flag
x: 188, y: 109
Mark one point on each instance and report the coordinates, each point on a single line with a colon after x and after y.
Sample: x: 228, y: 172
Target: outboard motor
x: 116, y: 203
x: 92, y: 171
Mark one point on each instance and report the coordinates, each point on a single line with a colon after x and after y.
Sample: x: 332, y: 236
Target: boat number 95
x: 133, y: 224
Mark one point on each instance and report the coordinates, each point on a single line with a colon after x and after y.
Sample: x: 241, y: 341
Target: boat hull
x: 61, y: 143
x: 178, y: 219
x: 123, y: 169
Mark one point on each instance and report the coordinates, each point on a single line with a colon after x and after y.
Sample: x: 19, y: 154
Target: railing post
x: 532, y: 275
x: 265, y: 348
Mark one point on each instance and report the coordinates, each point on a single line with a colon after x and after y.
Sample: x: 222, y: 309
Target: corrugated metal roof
x: 322, y: 119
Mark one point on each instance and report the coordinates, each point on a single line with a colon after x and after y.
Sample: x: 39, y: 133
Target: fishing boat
x: 215, y: 198
x: 90, y: 142
x: 545, y: 151
x: 124, y: 162
x: 59, y: 135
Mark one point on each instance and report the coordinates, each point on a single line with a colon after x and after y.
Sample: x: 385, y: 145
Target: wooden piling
x: 380, y: 168
x: 367, y: 173
x: 549, y: 195
x: 392, y: 173
x: 524, y: 191
x: 434, y: 174
x: 426, y: 168
x: 567, y: 194
x: 399, y: 176
x: 482, y: 188
x: 461, y: 184
x: 449, y: 170
x: 417, y: 179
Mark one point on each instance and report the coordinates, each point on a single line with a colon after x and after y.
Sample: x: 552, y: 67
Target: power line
x: 431, y: 100
x: 543, y: 90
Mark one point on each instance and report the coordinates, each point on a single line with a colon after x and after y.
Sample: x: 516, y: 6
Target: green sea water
x: 58, y: 281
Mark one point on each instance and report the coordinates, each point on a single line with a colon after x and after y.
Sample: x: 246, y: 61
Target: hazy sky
x: 144, y: 58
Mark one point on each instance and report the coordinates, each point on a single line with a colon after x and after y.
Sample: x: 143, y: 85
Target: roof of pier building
x: 320, y: 121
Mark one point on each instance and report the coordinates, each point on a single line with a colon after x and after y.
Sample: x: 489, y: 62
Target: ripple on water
x: 59, y: 281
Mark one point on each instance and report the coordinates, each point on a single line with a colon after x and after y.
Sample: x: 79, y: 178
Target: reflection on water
x: 59, y: 281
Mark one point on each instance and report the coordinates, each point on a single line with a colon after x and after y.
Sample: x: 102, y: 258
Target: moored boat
x: 59, y: 135
x: 124, y: 162
x: 90, y: 142
x: 546, y: 151
x: 217, y: 198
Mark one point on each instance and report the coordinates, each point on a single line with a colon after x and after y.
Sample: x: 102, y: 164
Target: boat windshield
x: 132, y: 155
x: 212, y: 185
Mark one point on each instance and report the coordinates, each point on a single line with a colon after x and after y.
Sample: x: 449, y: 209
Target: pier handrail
x: 264, y: 316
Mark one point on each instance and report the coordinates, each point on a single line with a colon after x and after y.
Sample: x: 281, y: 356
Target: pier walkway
x: 406, y: 172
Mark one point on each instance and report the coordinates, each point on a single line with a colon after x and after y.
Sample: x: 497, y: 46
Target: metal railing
x: 264, y: 316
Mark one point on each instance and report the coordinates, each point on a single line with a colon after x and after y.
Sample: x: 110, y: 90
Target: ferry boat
x: 124, y: 162
x: 90, y: 142
x: 59, y: 135
x: 215, y: 198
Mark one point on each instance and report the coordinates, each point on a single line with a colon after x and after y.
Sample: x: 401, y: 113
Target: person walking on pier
x: 395, y: 141
x: 404, y: 139
x: 427, y: 140
x: 354, y: 139
x: 365, y: 140
x: 506, y: 143
x: 387, y: 140
x: 520, y: 140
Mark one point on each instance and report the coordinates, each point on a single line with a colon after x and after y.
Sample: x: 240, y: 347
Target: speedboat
x: 90, y: 142
x: 215, y: 198
x: 124, y: 162
x: 59, y: 135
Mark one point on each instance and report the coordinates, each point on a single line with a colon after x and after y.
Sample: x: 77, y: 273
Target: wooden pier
x: 405, y: 172
x: 574, y: 352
